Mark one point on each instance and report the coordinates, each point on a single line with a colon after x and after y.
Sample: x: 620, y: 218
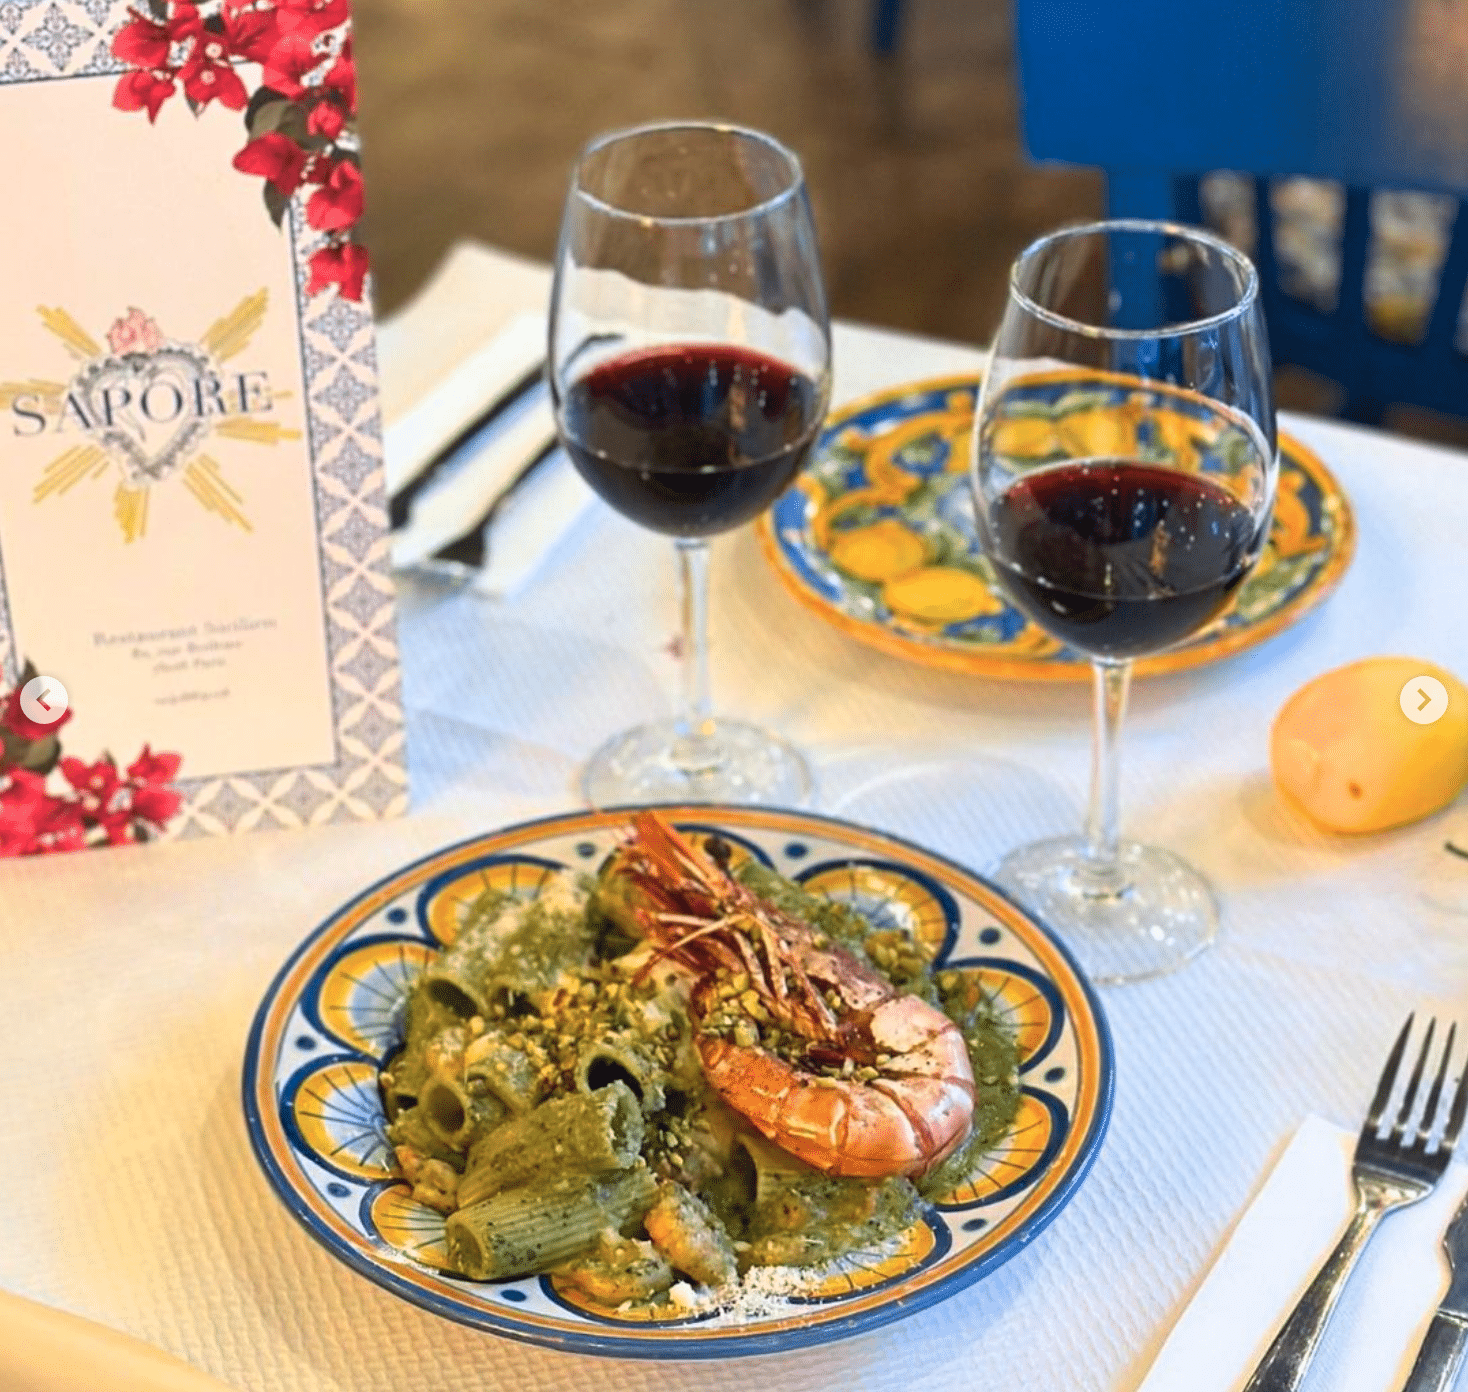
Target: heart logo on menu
x: 139, y: 407
x: 149, y: 403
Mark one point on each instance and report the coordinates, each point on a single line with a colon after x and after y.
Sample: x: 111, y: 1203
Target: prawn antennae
x: 826, y: 1057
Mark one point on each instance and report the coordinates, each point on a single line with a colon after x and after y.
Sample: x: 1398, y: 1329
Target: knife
x: 1441, y: 1354
x: 401, y: 502
x: 469, y: 548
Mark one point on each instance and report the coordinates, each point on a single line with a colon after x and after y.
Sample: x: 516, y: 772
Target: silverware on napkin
x: 470, y: 548
x: 401, y: 503
x: 1443, y: 1346
x: 1389, y: 1172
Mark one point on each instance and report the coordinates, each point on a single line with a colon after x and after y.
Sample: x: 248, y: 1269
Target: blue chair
x: 886, y: 24
x: 1371, y: 93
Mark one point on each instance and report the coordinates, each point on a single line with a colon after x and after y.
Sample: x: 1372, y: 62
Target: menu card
x: 196, y: 623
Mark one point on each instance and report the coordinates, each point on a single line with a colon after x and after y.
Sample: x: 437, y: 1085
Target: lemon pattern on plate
x: 362, y: 996
x: 338, y: 1112
x: 878, y: 534
x: 416, y: 1230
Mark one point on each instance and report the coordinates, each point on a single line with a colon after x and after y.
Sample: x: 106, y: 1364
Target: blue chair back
x: 1371, y: 93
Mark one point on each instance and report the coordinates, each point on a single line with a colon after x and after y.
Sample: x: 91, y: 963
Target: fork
x: 1389, y: 1172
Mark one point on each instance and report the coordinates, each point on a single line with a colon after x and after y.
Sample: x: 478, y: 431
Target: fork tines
x: 1403, y: 1140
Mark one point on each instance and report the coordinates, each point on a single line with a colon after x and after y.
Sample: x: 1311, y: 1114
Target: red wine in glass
x: 1120, y: 558
x: 690, y: 365
x: 690, y: 439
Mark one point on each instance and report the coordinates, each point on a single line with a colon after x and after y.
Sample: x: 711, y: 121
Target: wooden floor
x: 473, y: 112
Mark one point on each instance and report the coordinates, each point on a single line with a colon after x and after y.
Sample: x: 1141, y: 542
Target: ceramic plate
x: 877, y: 535
x: 334, y: 1014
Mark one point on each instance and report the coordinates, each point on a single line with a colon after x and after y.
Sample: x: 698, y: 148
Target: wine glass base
x: 730, y: 761
x: 1158, y: 914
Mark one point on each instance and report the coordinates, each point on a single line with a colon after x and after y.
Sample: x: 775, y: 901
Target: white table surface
x: 130, y: 976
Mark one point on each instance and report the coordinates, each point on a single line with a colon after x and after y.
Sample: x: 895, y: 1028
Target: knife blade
x: 468, y: 549
x: 1440, y: 1357
x: 401, y: 502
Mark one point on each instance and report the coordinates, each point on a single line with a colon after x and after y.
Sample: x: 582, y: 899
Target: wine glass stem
x: 1102, y: 875
x: 695, y: 719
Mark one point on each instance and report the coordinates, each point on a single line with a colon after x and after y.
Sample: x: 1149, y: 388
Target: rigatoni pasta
x: 550, y: 1100
x: 537, y: 1227
x: 585, y: 1133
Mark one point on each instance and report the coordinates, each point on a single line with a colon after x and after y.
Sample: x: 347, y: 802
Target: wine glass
x: 690, y: 367
x: 1124, y: 471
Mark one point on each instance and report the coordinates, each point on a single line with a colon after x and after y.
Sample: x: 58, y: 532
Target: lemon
x: 879, y: 551
x: 1344, y: 752
x: 940, y: 595
x: 1181, y: 436
x: 1099, y: 432
x: 1025, y: 437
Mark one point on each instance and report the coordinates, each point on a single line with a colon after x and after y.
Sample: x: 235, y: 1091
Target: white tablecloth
x: 129, y: 978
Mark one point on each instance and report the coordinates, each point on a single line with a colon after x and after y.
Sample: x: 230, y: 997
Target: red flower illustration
x: 209, y: 76
x: 59, y: 826
x: 343, y: 265
x: 147, y: 43
x: 32, y: 822
x: 135, y: 333
x: 14, y: 719
x: 301, y: 118
x: 249, y: 33
x: 341, y: 77
x: 149, y: 774
x: 311, y: 17
x: 85, y: 804
x: 277, y: 158
x: 293, y: 57
x: 149, y: 767
x: 102, y: 798
x: 326, y: 119
x: 156, y: 805
x: 337, y: 204
x: 20, y: 800
x: 144, y: 91
x: 95, y: 782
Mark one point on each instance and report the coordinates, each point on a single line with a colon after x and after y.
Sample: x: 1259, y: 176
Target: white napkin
x: 1274, y: 1253
x: 543, y: 509
x: 414, y: 436
x: 474, y: 291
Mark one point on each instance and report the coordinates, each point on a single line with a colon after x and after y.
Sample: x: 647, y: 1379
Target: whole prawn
x: 864, y: 1081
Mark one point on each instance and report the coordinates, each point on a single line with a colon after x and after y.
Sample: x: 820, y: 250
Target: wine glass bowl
x: 1124, y: 469
x: 690, y: 372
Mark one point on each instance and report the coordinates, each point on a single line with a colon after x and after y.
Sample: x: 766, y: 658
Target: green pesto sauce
x: 812, y: 1219
x: 995, y: 1059
x: 425, y: 1018
x: 533, y: 957
x: 412, y: 1130
x: 483, y: 909
x: 840, y: 921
